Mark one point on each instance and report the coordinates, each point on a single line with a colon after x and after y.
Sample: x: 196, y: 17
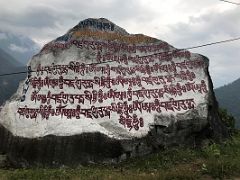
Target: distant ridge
x: 20, y: 47
x: 229, y: 98
x: 9, y: 84
x: 7, y: 61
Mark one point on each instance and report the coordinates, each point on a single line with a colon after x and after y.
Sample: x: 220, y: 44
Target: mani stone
x: 101, y: 95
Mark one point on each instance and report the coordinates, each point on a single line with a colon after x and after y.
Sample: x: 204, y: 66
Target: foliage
x: 227, y: 119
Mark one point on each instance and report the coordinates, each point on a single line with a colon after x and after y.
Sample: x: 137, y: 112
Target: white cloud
x: 16, y: 48
x: 3, y: 36
x: 214, y: 25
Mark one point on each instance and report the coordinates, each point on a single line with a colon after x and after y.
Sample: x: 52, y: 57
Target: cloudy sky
x: 182, y: 23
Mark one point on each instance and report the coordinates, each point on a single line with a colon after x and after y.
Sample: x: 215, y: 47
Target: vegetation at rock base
x: 227, y: 119
x: 212, y: 161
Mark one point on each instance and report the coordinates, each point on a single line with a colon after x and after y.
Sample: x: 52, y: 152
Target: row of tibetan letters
x: 108, y: 45
x: 96, y: 24
x: 122, y: 108
x: 131, y: 122
x: 100, y: 96
x: 131, y: 39
x: 108, y: 82
x: 83, y: 69
x: 125, y: 59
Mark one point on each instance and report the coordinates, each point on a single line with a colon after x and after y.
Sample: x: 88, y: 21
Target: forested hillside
x: 229, y: 98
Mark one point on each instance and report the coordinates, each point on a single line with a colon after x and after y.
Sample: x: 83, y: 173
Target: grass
x: 216, y: 161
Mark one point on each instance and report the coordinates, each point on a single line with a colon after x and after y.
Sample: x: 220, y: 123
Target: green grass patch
x: 215, y: 161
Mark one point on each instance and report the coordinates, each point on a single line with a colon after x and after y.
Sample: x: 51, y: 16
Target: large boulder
x: 100, y: 94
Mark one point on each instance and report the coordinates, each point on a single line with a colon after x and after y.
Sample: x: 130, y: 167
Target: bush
x: 227, y: 119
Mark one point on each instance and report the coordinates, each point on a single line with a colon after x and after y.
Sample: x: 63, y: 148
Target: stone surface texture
x: 99, y: 94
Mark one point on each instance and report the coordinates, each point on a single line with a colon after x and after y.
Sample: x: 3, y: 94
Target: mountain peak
x: 20, y: 47
x: 101, y: 28
x: 99, y: 24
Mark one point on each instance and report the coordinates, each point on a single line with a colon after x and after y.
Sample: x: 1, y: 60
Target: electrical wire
x: 7, y: 74
x: 213, y: 43
x: 173, y: 51
x: 230, y: 2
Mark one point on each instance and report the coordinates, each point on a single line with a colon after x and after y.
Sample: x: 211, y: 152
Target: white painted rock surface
x: 97, y: 78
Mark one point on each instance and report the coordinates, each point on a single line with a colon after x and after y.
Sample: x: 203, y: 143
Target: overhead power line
x: 7, y: 74
x: 230, y: 2
x: 176, y: 50
x: 213, y: 43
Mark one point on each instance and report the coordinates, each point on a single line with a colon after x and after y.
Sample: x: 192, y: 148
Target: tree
x: 227, y: 119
